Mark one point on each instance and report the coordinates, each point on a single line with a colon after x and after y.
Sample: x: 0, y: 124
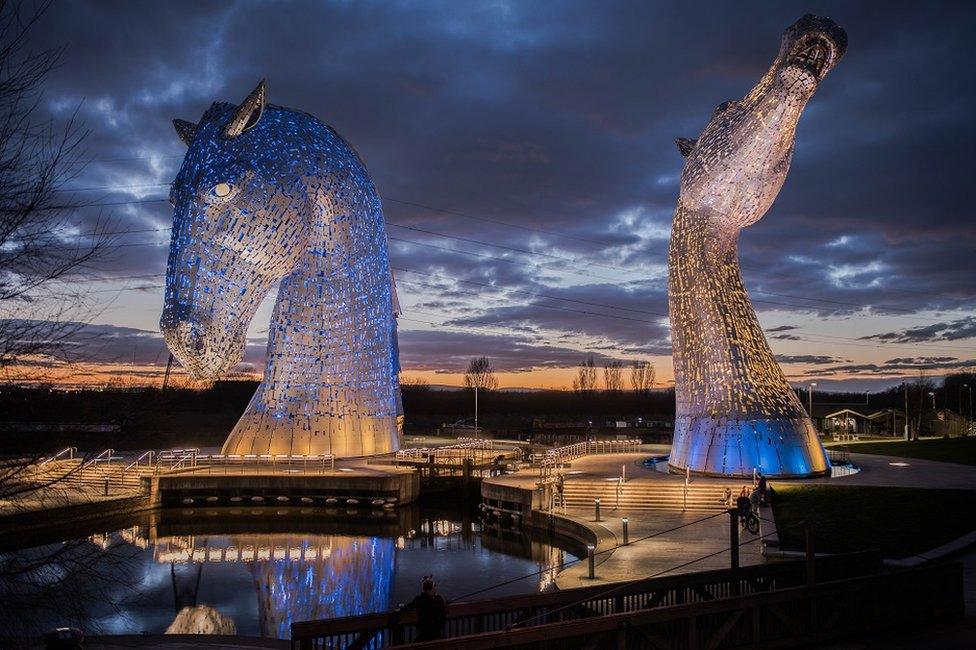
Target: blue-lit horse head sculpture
x: 271, y: 198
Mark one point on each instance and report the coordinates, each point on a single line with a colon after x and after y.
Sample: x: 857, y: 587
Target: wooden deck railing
x: 467, y: 618
x: 783, y: 617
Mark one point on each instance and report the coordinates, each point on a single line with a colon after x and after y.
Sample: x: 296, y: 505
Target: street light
x: 970, y: 389
x: 810, y: 399
x: 933, y: 399
x: 476, y: 410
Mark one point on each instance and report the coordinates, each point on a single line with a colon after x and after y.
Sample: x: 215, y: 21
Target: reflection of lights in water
x: 356, y: 579
x: 302, y: 577
x: 321, y: 576
x: 551, y: 565
x: 442, y: 527
x: 899, y: 464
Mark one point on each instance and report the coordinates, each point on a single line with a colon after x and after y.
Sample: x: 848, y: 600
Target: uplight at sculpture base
x: 735, y: 412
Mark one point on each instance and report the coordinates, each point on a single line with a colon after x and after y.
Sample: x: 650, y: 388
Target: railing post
x: 810, y: 557
x: 811, y: 575
x: 734, y: 548
x: 684, y: 505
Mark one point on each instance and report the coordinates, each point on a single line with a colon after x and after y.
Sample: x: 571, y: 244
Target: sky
x: 524, y: 153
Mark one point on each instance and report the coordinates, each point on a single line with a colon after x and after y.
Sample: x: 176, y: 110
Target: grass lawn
x: 898, y: 521
x: 948, y: 450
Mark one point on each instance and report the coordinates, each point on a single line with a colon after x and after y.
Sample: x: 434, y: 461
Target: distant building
x: 860, y: 420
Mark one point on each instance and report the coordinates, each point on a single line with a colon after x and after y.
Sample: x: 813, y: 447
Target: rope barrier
x: 629, y: 583
x: 563, y: 565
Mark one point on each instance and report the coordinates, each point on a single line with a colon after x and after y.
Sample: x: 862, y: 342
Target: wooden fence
x: 560, y: 607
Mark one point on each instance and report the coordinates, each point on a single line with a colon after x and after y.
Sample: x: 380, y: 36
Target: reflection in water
x: 354, y: 577
x: 212, y: 572
x: 201, y: 619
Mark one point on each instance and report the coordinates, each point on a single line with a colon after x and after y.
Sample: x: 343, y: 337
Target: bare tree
x: 921, y: 388
x: 417, y: 384
x: 41, y: 252
x: 642, y: 375
x: 613, y: 375
x: 585, y: 381
x: 480, y: 374
x: 42, y: 255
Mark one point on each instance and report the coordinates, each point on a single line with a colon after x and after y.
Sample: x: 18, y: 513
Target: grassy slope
x: 951, y: 450
x: 898, y: 521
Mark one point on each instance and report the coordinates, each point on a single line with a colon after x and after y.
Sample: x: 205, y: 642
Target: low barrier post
x: 596, y: 509
x: 590, y: 560
x: 734, y: 547
x: 624, y: 522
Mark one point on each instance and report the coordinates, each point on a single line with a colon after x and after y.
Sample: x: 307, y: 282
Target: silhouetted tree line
x: 151, y: 418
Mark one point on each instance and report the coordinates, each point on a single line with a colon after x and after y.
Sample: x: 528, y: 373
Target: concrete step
x: 644, y: 496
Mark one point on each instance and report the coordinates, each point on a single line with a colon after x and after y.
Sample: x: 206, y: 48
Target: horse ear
x: 685, y: 145
x: 186, y: 130
x: 249, y: 112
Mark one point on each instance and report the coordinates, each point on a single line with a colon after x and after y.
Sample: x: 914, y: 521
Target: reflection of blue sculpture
x: 355, y: 579
x: 270, y: 197
x: 735, y: 410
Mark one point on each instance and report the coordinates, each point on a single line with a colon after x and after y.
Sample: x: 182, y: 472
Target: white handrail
x: 326, y: 461
x: 135, y: 463
x: 67, y: 450
x: 188, y: 455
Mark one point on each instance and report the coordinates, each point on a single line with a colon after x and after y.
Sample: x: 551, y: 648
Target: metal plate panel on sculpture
x: 269, y: 197
x: 735, y: 411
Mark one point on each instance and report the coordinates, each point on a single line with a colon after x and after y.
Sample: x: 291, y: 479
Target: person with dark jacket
x: 431, y: 611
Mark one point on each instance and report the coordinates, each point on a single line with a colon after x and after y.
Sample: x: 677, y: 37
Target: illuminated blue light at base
x: 270, y: 197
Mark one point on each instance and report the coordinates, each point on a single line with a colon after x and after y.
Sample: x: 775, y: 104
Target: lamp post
x: 476, y: 411
x: 810, y: 399
x: 933, y: 399
x: 970, y: 412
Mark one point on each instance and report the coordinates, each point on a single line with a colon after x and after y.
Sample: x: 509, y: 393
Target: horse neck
x: 719, y: 345
x: 303, y: 311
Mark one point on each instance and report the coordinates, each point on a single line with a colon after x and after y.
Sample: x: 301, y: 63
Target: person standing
x: 431, y: 611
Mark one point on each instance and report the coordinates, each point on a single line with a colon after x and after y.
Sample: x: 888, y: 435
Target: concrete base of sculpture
x: 732, y: 448
x: 346, y: 436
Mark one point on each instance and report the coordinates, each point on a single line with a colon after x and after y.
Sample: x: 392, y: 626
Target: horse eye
x: 220, y: 190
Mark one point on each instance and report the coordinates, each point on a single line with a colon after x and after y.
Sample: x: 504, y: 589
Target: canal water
x: 254, y: 571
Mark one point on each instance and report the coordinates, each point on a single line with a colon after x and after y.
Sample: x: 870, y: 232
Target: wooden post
x: 811, y: 575
x: 810, y: 557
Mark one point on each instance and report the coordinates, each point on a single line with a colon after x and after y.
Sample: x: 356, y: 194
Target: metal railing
x: 146, y: 455
x: 476, y: 449
x: 71, y: 451
x: 559, y: 607
x: 234, y: 463
x: 187, y: 459
x: 553, y: 458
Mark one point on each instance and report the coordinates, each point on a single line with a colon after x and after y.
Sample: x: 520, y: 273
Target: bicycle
x: 750, y: 521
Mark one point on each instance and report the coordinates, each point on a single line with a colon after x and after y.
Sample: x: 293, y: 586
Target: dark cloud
x: 539, y: 139
x: 897, y: 367
x: 814, y: 359
x: 962, y: 328
x: 447, y: 351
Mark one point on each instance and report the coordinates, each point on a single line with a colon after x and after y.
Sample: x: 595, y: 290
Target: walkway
x: 674, y: 551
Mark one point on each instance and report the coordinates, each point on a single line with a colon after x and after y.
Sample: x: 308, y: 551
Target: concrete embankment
x: 25, y: 528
